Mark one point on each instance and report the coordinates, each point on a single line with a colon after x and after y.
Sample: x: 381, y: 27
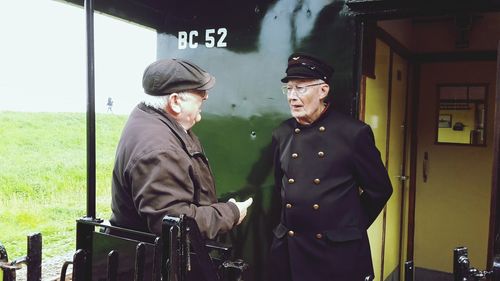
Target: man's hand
x: 242, y: 207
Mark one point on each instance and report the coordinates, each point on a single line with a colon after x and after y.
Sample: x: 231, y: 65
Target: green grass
x: 43, y: 172
x: 43, y: 176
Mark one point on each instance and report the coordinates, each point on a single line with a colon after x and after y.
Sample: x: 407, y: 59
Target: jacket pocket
x: 344, y: 234
x: 280, y: 230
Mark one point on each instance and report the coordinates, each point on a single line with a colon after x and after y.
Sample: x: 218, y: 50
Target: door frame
x: 368, y: 71
x: 494, y: 244
x: 367, y: 12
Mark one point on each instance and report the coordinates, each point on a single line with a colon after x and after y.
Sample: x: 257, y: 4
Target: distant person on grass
x: 109, y: 104
x: 161, y: 168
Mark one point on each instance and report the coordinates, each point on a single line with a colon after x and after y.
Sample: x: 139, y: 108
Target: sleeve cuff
x: 235, y: 210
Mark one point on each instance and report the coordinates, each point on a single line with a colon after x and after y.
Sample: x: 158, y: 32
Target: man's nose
x: 292, y: 97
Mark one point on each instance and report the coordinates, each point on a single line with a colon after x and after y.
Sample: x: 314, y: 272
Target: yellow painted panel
x: 452, y: 207
x: 376, y: 100
x: 375, y: 236
x: 395, y: 164
x: 464, y: 116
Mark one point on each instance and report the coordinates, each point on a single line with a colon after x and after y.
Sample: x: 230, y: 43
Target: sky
x: 43, y: 58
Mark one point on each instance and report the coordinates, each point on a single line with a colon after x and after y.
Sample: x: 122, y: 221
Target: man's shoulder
x: 145, y: 133
x: 344, y: 118
x: 284, y: 127
x: 346, y: 121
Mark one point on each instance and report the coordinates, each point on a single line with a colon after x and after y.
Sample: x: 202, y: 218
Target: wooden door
x: 453, y: 181
x: 395, y: 165
x: 385, y: 110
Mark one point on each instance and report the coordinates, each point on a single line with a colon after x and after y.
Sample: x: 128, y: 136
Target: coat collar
x: 326, y: 111
x: 188, y: 139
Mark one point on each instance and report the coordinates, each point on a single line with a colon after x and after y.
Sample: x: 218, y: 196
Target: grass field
x: 43, y: 176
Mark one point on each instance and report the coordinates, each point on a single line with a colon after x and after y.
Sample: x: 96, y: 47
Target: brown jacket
x: 160, y: 169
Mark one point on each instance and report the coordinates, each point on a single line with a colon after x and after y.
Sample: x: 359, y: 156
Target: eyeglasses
x: 299, y: 89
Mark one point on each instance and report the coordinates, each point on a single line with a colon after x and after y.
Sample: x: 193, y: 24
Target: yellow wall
x: 441, y: 36
x: 376, y: 100
x: 401, y: 30
x: 464, y: 116
x: 376, y: 115
x: 453, y: 206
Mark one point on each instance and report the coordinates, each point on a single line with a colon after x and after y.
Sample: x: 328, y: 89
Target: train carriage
x: 423, y: 75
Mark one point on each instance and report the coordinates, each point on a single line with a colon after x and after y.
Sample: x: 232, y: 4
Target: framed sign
x: 445, y: 121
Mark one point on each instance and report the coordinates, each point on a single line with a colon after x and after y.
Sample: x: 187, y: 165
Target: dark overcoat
x: 161, y: 169
x: 333, y: 185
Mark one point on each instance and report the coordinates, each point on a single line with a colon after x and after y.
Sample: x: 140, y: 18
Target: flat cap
x: 174, y: 75
x: 305, y: 66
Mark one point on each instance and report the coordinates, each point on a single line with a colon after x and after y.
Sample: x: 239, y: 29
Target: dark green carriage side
x: 245, y: 45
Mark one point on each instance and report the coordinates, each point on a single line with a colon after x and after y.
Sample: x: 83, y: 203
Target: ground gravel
x: 51, y: 268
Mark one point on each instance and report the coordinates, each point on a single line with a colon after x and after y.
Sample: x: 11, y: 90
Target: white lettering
x: 213, y: 38
x: 182, y: 40
x: 209, y: 38
x: 223, y: 33
x: 192, y: 35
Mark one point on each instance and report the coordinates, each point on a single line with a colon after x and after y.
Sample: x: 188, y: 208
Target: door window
x: 461, y: 114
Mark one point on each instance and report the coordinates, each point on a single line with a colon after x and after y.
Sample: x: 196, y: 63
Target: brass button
x: 321, y: 154
x: 291, y: 181
x: 288, y: 206
x: 316, y: 181
x: 291, y: 233
x: 295, y: 155
x: 322, y: 129
x: 319, y: 236
x: 297, y: 130
x: 315, y: 206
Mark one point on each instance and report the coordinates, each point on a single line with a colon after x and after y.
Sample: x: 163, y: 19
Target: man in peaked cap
x: 160, y: 167
x: 332, y: 182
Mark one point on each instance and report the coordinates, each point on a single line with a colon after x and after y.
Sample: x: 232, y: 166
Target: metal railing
x: 32, y: 260
x: 180, y: 254
x: 463, y: 271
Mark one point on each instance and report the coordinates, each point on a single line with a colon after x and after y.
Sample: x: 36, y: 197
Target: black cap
x: 174, y: 75
x: 305, y: 66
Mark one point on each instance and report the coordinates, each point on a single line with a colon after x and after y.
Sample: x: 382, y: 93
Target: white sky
x: 43, y: 58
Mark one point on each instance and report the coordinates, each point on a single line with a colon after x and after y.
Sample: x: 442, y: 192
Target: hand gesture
x: 242, y: 207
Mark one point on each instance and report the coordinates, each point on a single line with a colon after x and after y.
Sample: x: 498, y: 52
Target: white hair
x: 156, y: 102
x: 159, y: 102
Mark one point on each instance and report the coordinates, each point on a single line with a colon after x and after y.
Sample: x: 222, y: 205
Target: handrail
x: 186, y: 254
x: 184, y: 236
x: 91, y: 151
x: 463, y: 271
x: 33, y: 261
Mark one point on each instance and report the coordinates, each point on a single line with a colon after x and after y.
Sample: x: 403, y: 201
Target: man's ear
x: 325, y: 88
x: 173, y: 105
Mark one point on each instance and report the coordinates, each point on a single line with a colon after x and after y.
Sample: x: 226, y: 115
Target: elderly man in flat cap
x: 332, y: 181
x: 160, y: 167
